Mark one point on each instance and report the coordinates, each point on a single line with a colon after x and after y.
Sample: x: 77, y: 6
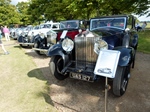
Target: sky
x: 142, y: 18
x: 14, y: 2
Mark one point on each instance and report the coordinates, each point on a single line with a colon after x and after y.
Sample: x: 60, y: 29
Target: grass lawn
x: 144, y: 41
x: 19, y: 91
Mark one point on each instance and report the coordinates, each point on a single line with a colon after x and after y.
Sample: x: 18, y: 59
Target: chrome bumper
x: 26, y: 44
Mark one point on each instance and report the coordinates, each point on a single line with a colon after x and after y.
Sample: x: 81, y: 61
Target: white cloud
x: 144, y: 18
x: 15, y: 2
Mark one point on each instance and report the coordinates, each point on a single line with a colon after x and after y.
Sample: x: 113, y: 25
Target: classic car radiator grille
x: 84, y: 51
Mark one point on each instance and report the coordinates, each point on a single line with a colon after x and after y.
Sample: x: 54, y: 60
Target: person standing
x: 1, y: 44
x: 138, y: 27
x: 6, y: 33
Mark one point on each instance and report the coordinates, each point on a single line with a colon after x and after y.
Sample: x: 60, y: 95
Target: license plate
x: 80, y: 76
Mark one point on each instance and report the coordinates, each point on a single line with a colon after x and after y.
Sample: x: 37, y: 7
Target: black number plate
x: 81, y: 77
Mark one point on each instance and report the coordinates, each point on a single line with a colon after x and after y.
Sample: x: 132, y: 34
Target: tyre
x: 36, y: 45
x: 56, y: 65
x: 121, y: 79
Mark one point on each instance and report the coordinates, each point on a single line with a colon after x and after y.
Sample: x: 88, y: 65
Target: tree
x: 8, y: 13
x: 22, y: 8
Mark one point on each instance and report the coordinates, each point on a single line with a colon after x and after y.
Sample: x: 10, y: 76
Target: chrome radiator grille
x: 84, y: 51
x: 51, y: 40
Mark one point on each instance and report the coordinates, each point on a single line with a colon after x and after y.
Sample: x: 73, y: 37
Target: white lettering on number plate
x: 79, y: 76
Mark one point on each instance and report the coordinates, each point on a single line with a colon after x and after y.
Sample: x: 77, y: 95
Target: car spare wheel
x: 56, y: 65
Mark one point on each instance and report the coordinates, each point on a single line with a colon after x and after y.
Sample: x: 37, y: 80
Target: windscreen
x: 69, y: 24
x: 118, y: 23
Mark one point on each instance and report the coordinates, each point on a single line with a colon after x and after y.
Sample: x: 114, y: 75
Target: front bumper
x: 26, y: 44
x: 43, y: 51
x: 84, y: 69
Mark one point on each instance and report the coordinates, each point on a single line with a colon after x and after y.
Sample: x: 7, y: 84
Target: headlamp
x: 67, y: 44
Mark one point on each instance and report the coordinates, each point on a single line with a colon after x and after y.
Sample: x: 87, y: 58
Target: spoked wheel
x: 120, y: 81
x: 36, y: 45
x: 56, y: 65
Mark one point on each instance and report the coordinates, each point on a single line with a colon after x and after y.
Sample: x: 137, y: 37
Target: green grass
x: 20, y: 90
x: 144, y: 41
x: 148, y: 25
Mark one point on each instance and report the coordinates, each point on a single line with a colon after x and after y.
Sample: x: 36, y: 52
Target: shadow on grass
x: 22, y: 47
x: 34, y: 54
x: 37, y: 74
x: 71, y: 87
x: 46, y: 97
x: 44, y: 75
x: 17, y: 47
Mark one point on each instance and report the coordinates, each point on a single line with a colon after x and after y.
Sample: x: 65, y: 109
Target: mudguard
x: 57, y: 50
x: 36, y: 38
x: 126, y: 55
x: 20, y: 39
x: 135, y: 40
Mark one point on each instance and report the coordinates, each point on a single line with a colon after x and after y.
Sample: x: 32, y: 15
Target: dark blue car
x: 77, y: 58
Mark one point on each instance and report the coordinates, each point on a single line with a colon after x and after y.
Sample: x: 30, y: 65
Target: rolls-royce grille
x: 84, y: 51
x: 51, y: 40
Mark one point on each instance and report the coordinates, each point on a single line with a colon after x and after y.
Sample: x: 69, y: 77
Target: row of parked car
x: 75, y: 46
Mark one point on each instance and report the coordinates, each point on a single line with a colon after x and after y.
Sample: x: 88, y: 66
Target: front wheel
x: 36, y: 45
x: 56, y: 65
x: 121, y: 79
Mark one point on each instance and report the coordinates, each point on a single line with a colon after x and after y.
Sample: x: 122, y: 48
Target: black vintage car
x: 23, y: 39
x: 77, y: 58
x: 43, y: 43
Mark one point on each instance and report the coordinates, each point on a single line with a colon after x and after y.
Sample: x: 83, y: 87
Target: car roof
x: 111, y: 16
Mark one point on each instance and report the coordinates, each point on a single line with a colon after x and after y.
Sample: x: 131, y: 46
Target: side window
x: 54, y: 26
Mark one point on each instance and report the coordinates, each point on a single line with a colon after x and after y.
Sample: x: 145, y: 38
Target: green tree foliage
x: 8, y: 13
x: 37, y: 11
x: 85, y: 9
x: 22, y: 8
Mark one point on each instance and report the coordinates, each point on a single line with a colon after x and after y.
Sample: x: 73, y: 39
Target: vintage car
x: 77, y: 58
x: 27, y: 38
x: 16, y: 33
x: 43, y: 42
x: 12, y: 32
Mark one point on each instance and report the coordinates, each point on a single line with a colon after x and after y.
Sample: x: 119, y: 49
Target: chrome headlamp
x: 32, y: 34
x: 23, y: 34
x: 100, y: 44
x: 67, y: 44
x: 51, y: 34
x: 41, y: 35
x: 51, y: 37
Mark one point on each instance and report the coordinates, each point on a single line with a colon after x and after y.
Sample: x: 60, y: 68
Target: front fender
x: 57, y: 50
x: 20, y: 39
x: 37, y: 38
x: 134, y: 41
x: 126, y: 55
